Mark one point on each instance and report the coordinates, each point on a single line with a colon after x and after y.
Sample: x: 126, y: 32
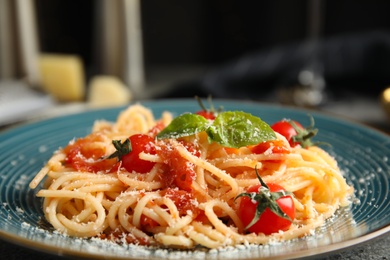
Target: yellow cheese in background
x: 63, y: 76
x: 106, y: 91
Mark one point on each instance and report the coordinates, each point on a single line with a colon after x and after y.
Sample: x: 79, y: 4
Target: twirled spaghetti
x: 90, y: 195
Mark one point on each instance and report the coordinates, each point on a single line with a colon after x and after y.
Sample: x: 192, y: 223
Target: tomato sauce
x: 183, y: 200
x: 84, y: 155
x: 179, y: 172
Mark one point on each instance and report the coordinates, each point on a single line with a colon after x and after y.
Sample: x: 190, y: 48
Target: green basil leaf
x: 184, y: 125
x: 237, y: 129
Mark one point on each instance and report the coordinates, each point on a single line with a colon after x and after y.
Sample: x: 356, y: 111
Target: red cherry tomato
x: 139, y: 143
x: 206, y: 114
x: 287, y: 130
x: 83, y: 155
x: 269, y: 222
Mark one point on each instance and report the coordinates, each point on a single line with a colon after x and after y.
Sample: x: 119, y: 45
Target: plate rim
x: 317, y: 251
x: 91, y: 109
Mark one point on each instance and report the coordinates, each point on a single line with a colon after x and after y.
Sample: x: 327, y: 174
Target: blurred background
x: 328, y: 55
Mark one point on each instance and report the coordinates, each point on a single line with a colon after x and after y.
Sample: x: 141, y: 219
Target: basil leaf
x: 237, y: 129
x: 184, y: 125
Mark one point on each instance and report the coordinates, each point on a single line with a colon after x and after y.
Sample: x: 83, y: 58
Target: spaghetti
x: 88, y: 194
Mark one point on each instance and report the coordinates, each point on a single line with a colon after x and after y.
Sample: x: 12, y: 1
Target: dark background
x: 208, y: 31
x: 206, y: 34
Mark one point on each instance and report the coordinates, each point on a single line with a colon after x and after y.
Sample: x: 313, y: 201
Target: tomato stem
x: 121, y: 149
x: 209, y: 101
x: 266, y: 199
x: 304, y: 135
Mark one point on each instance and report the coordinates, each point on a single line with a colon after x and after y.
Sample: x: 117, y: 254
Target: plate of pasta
x: 189, y: 178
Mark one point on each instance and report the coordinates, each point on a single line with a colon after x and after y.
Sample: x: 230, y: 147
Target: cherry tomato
x: 295, y: 133
x: 287, y: 130
x: 83, y: 155
x: 269, y: 222
x: 139, y: 143
x: 206, y: 114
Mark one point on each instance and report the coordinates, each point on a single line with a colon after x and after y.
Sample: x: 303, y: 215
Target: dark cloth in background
x: 358, y: 62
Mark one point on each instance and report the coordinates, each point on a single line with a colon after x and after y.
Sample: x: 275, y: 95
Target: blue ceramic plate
x: 362, y: 153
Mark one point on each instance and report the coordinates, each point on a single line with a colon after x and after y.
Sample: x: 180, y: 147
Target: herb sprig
x: 230, y: 128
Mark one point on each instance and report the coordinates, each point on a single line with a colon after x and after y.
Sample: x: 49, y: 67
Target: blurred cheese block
x: 105, y: 91
x: 62, y: 76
